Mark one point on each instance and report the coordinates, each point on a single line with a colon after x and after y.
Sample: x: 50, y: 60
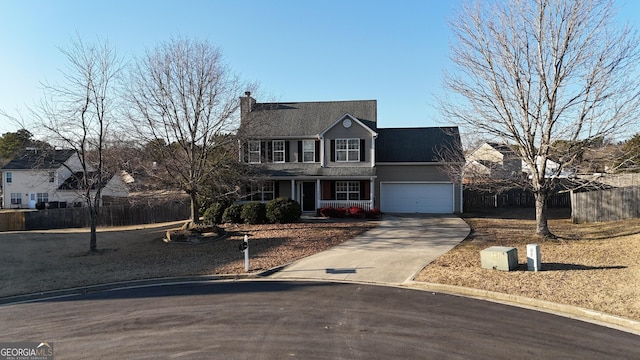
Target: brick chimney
x: 246, y: 104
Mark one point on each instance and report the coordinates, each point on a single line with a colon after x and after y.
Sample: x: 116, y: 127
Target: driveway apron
x: 393, y: 252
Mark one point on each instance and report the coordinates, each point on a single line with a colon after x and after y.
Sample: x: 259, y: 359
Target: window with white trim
x: 52, y: 176
x: 16, y: 198
x: 254, y: 151
x: 264, y: 191
x: 278, y: 151
x: 347, y: 149
x: 308, y: 150
x: 43, y: 197
x: 347, y: 190
x: 9, y: 177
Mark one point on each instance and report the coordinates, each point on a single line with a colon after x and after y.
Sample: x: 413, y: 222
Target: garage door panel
x: 416, y: 197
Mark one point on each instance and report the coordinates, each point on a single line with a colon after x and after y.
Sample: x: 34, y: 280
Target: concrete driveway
x: 393, y: 252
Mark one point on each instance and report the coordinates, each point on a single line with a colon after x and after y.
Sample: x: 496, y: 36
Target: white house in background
x: 553, y: 169
x: 49, y: 177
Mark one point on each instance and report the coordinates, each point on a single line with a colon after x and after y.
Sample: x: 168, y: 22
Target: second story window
x: 308, y: 151
x: 278, y: 151
x: 254, y: 151
x: 347, y: 149
x: 52, y: 176
x: 9, y: 177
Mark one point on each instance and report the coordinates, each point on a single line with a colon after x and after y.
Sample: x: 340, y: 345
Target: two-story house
x: 49, y: 177
x: 332, y: 154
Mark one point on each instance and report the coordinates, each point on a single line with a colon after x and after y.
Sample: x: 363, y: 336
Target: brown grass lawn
x: 37, y: 261
x: 594, y: 266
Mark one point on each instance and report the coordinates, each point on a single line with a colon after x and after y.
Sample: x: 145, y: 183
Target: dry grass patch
x: 40, y: 261
x: 594, y: 266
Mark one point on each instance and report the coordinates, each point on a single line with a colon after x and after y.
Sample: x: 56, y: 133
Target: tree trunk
x: 542, y: 228
x: 195, y: 211
x: 93, y: 219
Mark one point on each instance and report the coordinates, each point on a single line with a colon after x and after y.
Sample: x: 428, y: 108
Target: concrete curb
x: 574, y: 312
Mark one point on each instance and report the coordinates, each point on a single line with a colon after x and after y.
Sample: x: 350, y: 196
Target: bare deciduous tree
x: 185, y: 102
x: 77, y: 113
x: 530, y: 72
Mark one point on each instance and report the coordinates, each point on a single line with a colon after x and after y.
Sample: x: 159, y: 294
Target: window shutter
x: 276, y: 189
x: 317, y: 159
x: 362, y: 150
x: 333, y: 189
x: 333, y: 151
x: 287, y: 156
x: 269, y: 151
x: 363, y: 192
x: 300, y: 155
x: 263, y: 151
x: 245, y: 152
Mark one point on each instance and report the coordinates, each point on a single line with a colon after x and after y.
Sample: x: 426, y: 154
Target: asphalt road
x: 304, y: 320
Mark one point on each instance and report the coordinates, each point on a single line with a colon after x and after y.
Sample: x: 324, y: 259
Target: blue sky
x: 306, y: 50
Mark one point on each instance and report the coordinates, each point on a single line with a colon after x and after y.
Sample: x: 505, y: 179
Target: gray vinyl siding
x: 354, y: 132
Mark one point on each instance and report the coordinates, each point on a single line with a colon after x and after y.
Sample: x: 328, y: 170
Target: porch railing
x: 364, y: 204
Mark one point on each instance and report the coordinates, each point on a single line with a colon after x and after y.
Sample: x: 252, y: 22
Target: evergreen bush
x: 254, y: 213
x: 232, y: 214
x: 283, y: 211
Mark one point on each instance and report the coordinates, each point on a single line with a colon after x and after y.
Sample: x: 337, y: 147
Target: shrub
x: 254, y: 213
x: 357, y: 212
x: 232, y: 214
x: 283, y: 210
x: 333, y: 212
x: 213, y: 214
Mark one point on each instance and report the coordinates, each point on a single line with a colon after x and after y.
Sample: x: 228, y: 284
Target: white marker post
x: 245, y: 247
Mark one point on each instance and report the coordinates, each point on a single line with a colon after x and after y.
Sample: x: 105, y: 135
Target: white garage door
x: 416, y: 198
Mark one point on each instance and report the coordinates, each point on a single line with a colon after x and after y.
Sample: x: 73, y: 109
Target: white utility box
x: 499, y: 258
x: 533, y: 257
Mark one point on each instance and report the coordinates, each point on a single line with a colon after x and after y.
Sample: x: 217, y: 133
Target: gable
x: 304, y: 119
x: 346, y: 125
x: 433, y: 144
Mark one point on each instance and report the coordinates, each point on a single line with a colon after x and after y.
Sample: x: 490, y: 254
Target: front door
x: 308, y: 196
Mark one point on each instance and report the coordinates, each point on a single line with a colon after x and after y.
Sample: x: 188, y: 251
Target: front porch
x: 314, y: 194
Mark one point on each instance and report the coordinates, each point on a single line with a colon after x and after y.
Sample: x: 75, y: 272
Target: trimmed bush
x: 213, y: 214
x: 357, y: 212
x: 283, y: 211
x: 254, y: 213
x: 333, y: 212
x: 232, y: 214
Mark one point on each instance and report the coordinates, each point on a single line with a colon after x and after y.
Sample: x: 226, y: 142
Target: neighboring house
x: 49, y: 177
x: 332, y: 154
x: 497, y: 161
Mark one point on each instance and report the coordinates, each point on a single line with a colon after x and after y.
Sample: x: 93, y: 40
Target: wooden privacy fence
x: 605, y: 205
x: 120, y: 215
x: 514, y: 198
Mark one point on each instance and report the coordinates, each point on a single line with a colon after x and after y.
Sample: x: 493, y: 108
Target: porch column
x: 372, y: 192
x: 317, y: 193
x: 293, y: 189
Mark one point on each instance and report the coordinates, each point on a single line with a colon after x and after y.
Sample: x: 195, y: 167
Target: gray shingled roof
x: 432, y: 144
x: 39, y: 159
x: 305, y: 118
